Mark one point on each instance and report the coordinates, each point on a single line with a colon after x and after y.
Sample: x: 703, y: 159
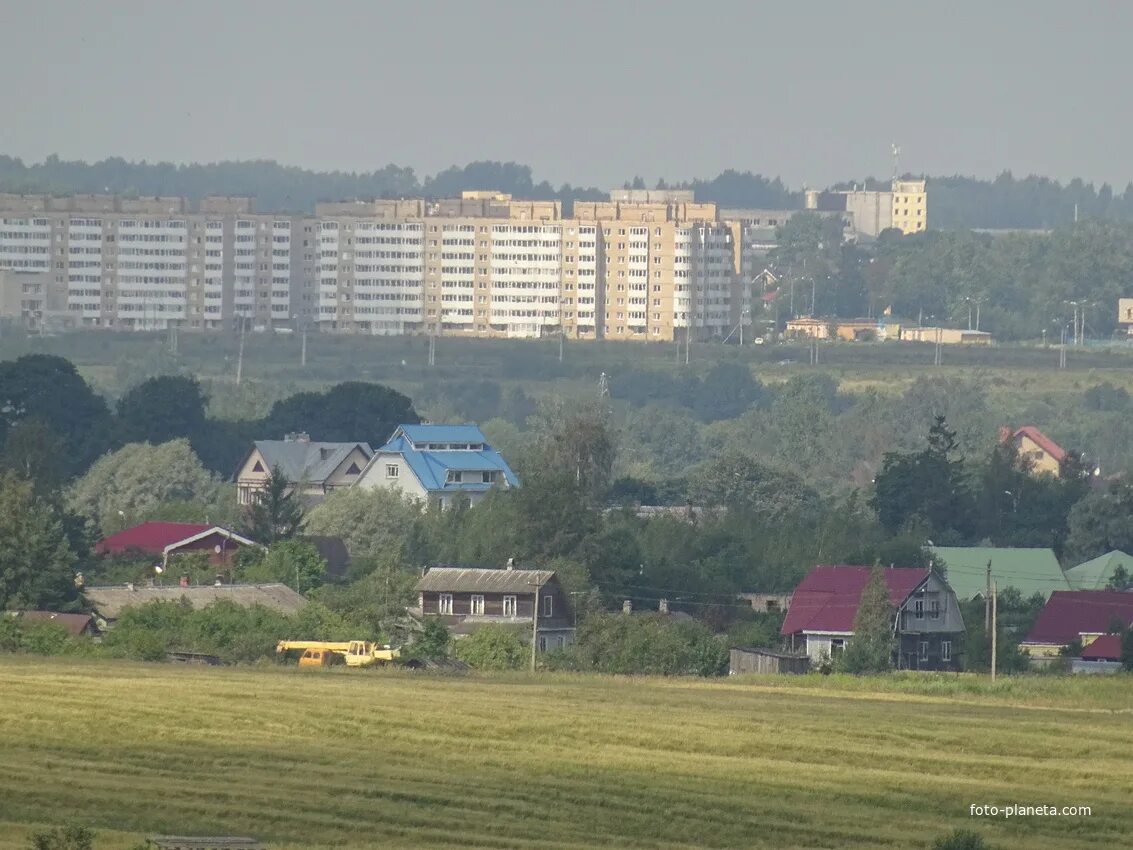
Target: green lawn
x: 355, y: 759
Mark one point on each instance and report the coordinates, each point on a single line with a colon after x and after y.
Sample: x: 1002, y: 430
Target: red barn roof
x: 149, y: 537
x: 1105, y: 648
x: 827, y: 599
x: 1070, y: 613
x: 1042, y: 441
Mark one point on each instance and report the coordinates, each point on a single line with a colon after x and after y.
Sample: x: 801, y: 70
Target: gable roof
x: 149, y: 537
x: 1041, y: 440
x: 110, y: 602
x: 827, y: 599
x: 1104, y: 648
x: 1029, y: 571
x: 1096, y: 573
x: 305, y: 460
x: 1070, y: 613
x: 431, y: 467
x: 75, y: 624
x: 477, y: 580
x: 467, y: 433
x: 209, y: 531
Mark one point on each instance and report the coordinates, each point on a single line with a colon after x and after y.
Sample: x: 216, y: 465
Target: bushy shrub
x: 493, y: 647
x: 643, y: 644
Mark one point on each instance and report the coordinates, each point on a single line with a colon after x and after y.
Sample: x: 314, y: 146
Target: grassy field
x: 347, y: 759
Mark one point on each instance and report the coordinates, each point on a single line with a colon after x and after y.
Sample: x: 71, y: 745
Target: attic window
x: 353, y: 470
x: 259, y: 467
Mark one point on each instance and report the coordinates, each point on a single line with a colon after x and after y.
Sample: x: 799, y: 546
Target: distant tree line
x: 955, y: 202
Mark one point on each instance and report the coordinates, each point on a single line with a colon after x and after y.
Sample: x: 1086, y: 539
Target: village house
x: 1096, y: 573
x: 438, y: 463
x: 109, y: 602
x: 1042, y: 453
x: 163, y: 540
x: 1028, y: 570
x: 313, y: 468
x: 77, y: 625
x: 928, y: 625
x: 466, y: 599
x: 1077, y: 616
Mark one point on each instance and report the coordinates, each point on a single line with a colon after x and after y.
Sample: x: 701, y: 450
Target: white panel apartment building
x: 647, y: 266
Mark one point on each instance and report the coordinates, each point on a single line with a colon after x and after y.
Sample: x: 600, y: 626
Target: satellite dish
x: 216, y: 548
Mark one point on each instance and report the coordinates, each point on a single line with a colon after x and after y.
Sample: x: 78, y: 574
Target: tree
x: 928, y: 485
x: 276, y: 512
x: 292, y: 562
x: 1127, y: 649
x: 871, y: 648
x: 48, y: 389
x: 741, y: 483
x: 162, y: 409
x: 35, y: 453
x: 354, y: 410
x: 493, y: 647
x: 1101, y: 522
x: 36, y: 558
x: 133, y: 483
x: 433, y: 641
x: 1120, y: 580
x: 372, y: 523
x: 576, y: 441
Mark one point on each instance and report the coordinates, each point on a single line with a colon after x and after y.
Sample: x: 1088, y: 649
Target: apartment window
x: 923, y: 654
x: 477, y: 604
x: 935, y: 613
x: 946, y: 650
x: 444, y: 603
x: 509, y: 606
x: 918, y: 609
x: 392, y: 470
x: 548, y: 606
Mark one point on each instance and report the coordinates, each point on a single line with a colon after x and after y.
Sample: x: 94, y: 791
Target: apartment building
x: 904, y: 207
x: 154, y: 263
x: 643, y: 266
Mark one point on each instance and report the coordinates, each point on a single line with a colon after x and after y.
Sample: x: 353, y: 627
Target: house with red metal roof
x: 1077, y: 615
x: 927, y: 623
x: 1040, y: 451
x: 1104, y: 648
x: 164, y: 539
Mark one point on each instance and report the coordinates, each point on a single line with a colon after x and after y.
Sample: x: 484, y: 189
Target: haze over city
x: 588, y: 92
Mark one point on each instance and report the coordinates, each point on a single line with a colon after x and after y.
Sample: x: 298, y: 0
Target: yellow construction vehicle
x: 356, y: 653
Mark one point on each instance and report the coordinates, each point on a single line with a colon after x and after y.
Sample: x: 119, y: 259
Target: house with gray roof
x: 468, y: 598
x: 438, y: 463
x: 314, y: 468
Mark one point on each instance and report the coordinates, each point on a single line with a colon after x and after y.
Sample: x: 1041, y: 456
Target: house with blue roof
x: 436, y: 463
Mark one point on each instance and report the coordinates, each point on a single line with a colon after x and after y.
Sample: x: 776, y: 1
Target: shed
x: 746, y: 659
x: 205, y: 842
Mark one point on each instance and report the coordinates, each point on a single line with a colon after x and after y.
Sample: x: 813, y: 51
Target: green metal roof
x: 1029, y: 571
x: 1096, y: 573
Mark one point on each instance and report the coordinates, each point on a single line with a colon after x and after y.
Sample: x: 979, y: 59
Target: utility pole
x: 433, y: 347
x: 936, y: 359
x: 562, y: 337
x: 303, y: 348
x: 688, y: 341
x: 534, y: 625
x: 240, y: 356
x: 994, y: 627
x: 987, y: 600
x: 1062, y: 350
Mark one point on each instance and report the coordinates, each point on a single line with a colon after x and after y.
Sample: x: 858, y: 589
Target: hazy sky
x: 590, y: 92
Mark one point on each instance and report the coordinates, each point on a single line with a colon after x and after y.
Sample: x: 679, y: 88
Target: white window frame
x: 922, y: 651
x: 392, y: 470
x: 444, y: 603
x: 946, y: 650
x: 542, y: 643
x: 511, y: 608
x: 476, y: 604
x: 548, y: 606
x: 918, y: 609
